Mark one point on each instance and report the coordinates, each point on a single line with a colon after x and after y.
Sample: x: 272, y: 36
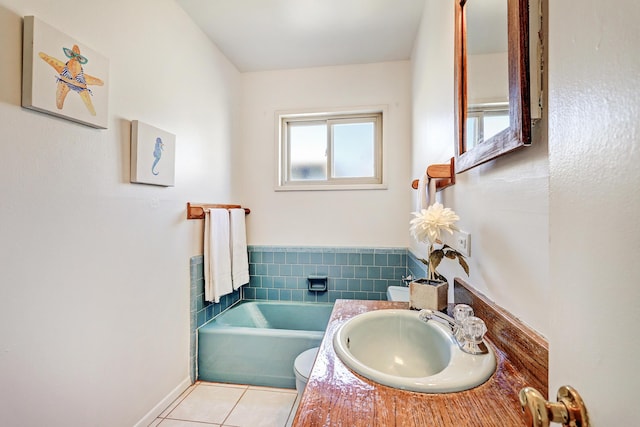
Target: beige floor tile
x: 177, y: 401
x: 282, y: 390
x: 262, y: 408
x: 203, y: 383
x: 293, y: 411
x: 181, y: 423
x: 207, y: 403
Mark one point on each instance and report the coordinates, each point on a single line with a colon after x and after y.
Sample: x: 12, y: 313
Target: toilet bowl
x: 302, y: 367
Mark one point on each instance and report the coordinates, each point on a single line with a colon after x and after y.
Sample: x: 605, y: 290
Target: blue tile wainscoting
x: 280, y: 273
x: 415, y: 267
x: 202, y: 311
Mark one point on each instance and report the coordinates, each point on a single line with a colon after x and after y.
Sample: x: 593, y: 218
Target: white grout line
x: 236, y: 404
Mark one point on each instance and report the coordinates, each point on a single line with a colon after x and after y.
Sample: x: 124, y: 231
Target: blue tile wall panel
x: 280, y: 273
x: 415, y: 266
x: 202, y: 311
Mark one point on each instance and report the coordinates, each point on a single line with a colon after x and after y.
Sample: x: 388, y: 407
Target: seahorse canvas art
x: 62, y: 76
x: 157, y: 155
x: 152, y: 155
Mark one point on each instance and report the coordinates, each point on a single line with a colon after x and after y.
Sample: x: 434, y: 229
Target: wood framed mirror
x: 493, y: 115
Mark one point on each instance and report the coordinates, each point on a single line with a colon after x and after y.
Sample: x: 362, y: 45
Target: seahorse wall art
x: 152, y: 155
x: 63, y: 77
x: 157, y: 154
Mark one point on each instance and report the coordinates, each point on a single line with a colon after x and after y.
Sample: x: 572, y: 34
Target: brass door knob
x: 569, y: 410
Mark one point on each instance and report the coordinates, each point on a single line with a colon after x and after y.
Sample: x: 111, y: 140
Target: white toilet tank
x: 398, y: 293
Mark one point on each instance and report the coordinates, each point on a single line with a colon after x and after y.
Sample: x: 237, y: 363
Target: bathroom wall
x: 369, y: 218
x: 594, y: 157
x: 94, y: 284
x: 503, y: 203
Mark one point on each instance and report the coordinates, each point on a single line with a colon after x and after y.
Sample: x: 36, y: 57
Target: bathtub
x: 256, y: 342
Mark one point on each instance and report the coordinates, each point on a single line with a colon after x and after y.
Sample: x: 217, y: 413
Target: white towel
x: 426, y: 192
x: 431, y: 194
x: 423, y: 198
x: 217, y: 257
x: 239, y: 257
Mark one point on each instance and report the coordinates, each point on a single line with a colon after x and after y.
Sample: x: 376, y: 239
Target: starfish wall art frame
x: 62, y: 76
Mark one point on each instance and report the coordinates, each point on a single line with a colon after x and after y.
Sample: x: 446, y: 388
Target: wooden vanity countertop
x: 335, y: 396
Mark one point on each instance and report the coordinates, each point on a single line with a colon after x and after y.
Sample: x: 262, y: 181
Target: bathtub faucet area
x: 407, y: 279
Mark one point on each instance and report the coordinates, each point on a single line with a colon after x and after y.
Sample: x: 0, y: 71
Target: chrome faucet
x: 467, y: 329
x: 427, y: 314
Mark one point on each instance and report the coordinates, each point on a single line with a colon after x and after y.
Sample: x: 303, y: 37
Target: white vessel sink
x: 397, y: 349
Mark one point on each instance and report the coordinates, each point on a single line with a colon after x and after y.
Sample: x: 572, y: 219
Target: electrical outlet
x: 463, y: 243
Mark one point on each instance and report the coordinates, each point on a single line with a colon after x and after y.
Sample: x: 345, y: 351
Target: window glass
x: 353, y: 150
x: 472, y: 130
x: 495, y: 122
x: 308, y: 151
x: 322, y: 151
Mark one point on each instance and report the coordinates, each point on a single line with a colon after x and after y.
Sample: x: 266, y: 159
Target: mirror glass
x: 492, y: 79
x: 487, y: 70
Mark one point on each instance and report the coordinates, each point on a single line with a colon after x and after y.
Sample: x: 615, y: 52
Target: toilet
x: 398, y: 293
x: 302, y: 368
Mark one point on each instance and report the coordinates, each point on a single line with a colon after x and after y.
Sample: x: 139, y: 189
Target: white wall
x: 94, y: 283
x: 503, y: 204
x: 324, y: 218
x: 594, y: 151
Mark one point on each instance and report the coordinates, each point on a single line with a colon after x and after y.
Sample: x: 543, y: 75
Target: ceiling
x: 258, y: 35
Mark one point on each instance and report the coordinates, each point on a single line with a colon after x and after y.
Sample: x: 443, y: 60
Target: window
x: 486, y: 121
x: 321, y: 151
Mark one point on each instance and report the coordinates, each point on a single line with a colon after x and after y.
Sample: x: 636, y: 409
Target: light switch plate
x: 463, y: 243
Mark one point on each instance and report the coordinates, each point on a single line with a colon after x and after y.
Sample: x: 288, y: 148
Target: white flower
x: 429, y: 223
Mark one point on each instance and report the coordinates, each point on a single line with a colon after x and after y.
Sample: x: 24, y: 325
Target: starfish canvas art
x: 71, y: 77
x: 62, y: 76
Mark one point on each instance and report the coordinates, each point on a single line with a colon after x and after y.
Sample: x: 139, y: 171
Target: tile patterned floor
x: 212, y: 404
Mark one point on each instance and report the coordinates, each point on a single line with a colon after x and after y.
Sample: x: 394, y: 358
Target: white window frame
x: 284, y: 183
x: 477, y: 112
